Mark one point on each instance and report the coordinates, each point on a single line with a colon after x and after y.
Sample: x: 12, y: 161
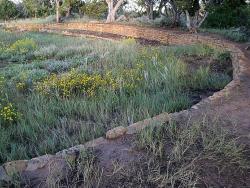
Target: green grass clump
x: 179, y: 155
x: 70, y: 90
x: 231, y: 34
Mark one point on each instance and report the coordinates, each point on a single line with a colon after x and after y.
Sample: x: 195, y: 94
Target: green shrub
x: 227, y: 16
x: 20, y: 50
x: 96, y: 9
x: 23, y: 46
x: 231, y: 34
x: 8, y: 113
x: 8, y: 10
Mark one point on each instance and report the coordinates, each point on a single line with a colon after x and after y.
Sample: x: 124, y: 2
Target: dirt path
x: 231, y: 105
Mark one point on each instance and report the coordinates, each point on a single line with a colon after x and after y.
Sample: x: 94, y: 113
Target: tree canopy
x: 8, y: 9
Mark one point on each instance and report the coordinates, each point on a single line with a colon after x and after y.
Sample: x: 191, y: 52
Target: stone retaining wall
x: 60, y: 160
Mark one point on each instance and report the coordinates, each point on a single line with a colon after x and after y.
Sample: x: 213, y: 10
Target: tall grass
x: 49, y: 123
x: 179, y: 155
x: 232, y: 34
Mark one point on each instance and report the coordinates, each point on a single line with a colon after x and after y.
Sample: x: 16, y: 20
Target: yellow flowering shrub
x: 8, y: 113
x: 75, y: 83
x: 71, y: 83
x: 22, y: 46
x: 21, y: 86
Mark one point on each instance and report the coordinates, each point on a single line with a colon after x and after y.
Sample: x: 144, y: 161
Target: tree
x: 58, y: 4
x: 149, y: 6
x: 7, y: 9
x: 68, y: 6
x: 113, y: 6
x: 195, y: 16
x: 228, y: 13
x: 170, y: 5
x: 38, y: 8
x: 96, y: 9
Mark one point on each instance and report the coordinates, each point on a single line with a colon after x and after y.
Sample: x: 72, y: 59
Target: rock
x: 14, y: 167
x: 55, y: 170
x: 3, y: 175
x: 138, y: 126
x: 39, y: 162
x: 116, y: 132
x: 247, y: 48
x: 195, y: 107
x: 95, y: 142
x: 162, y: 118
x: 58, y: 169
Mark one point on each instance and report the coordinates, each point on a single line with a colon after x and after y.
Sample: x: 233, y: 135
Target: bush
x: 23, y: 46
x: 8, y: 112
x: 20, y: 50
x: 96, y: 9
x: 226, y: 16
x: 72, y: 83
x: 232, y: 34
x: 8, y: 9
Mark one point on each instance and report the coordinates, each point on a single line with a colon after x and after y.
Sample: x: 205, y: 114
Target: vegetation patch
x: 236, y: 35
x: 62, y: 91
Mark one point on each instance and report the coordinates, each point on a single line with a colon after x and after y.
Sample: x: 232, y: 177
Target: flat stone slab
x: 116, y: 132
x: 15, y: 167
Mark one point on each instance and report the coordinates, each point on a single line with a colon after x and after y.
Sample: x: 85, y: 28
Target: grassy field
x: 59, y: 91
x: 231, y: 34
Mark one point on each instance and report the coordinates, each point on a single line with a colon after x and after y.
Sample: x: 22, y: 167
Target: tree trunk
x: 112, y: 10
x: 188, y: 20
x: 193, y: 23
x: 176, y: 13
x: 57, y: 11
x: 151, y: 11
x: 68, y: 12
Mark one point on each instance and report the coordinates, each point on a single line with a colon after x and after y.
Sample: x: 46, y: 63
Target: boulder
x: 116, y: 132
x: 15, y: 167
x: 38, y: 162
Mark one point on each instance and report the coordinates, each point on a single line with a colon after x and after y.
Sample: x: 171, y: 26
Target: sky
x: 16, y: 1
